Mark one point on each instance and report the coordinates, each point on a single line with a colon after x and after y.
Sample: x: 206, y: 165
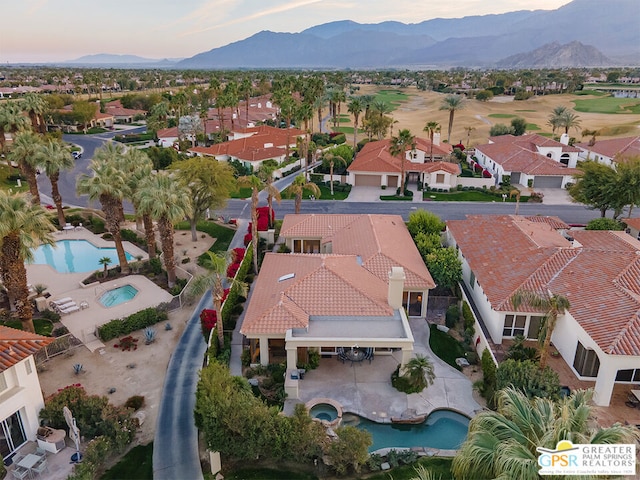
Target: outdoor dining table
x: 29, y: 461
x: 354, y: 354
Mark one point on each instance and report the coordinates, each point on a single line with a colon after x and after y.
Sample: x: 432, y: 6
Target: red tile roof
x: 632, y: 222
x: 375, y: 157
x: 16, y: 345
x: 620, y: 147
x: 509, y: 253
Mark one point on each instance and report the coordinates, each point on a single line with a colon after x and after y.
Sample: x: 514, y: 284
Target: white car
x: 76, y: 155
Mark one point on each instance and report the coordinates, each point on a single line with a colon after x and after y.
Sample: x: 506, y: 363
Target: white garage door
x: 367, y: 180
x: 540, y: 181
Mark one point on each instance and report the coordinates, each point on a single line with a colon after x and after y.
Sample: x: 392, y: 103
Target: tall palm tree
x: 398, y: 146
x: 12, y: 120
x: 515, y: 192
x: 298, y: 186
x: 432, y: 128
x: 554, y: 305
x: 108, y: 184
x: 168, y: 201
x: 253, y: 182
x: 355, y: 108
x: 556, y: 117
x: 216, y: 264
x: 502, y: 444
x: 35, y: 105
x: 54, y: 157
x: 332, y: 160
x: 569, y: 120
x: 25, y: 151
x: 265, y: 173
x: 452, y: 103
x: 245, y: 89
x: 419, y: 373
x: 469, y: 129
x: 23, y: 226
x: 105, y: 261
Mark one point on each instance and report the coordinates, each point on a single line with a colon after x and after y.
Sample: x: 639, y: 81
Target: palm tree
x: 355, y: 108
x: 108, y: 185
x: 398, y: 146
x: 554, y: 305
x: 168, y: 201
x: 12, y: 120
x: 569, y: 120
x: 502, y: 444
x: 35, y: 105
x: 23, y: 226
x: 515, y: 192
x: 104, y: 261
x: 25, y: 152
x: 469, y: 129
x: 332, y: 159
x: 556, y: 117
x: 452, y: 103
x: 54, y: 156
x: 419, y: 373
x: 432, y: 128
x: 216, y: 264
x: 266, y: 175
x: 298, y: 186
x: 256, y: 185
x: 245, y: 89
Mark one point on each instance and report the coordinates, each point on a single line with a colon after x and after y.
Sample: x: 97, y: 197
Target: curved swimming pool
x: 74, y: 256
x: 118, y: 295
x: 443, y: 429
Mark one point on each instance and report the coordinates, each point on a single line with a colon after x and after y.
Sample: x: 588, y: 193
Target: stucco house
x: 374, y: 166
x: 597, y: 271
x: 121, y: 114
x: 252, y: 146
x: 530, y: 160
x: 20, y: 393
x: 633, y: 226
x: 609, y: 152
x: 350, y: 280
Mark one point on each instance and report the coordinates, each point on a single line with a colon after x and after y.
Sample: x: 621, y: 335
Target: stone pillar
x: 292, y: 357
x: 406, y: 355
x: 396, y: 286
x: 264, y: 351
x: 604, y: 384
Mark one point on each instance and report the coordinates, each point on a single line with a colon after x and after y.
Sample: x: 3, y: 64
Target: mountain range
x: 580, y: 33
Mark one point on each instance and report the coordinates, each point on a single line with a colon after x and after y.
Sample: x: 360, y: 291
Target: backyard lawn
x: 445, y: 346
x: 243, y: 192
x: 5, y: 184
x: 42, y: 326
x: 223, y: 235
x: 137, y: 464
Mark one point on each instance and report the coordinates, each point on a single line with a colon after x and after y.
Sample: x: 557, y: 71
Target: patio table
x: 29, y: 461
x: 354, y: 354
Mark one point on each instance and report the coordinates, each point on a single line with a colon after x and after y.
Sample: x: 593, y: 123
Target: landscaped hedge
x: 135, y: 321
x: 234, y: 293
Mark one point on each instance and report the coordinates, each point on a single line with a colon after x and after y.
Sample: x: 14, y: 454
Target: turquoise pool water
x: 75, y: 256
x: 443, y: 429
x: 324, y: 411
x: 119, y: 295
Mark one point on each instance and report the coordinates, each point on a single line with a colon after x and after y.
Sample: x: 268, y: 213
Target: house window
x: 440, y: 178
x: 514, y: 325
x: 412, y: 301
x: 586, y: 362
x: 534, y: 327
x: 472, y: 280
x: 631, y: 375
x: 27, y: 366
x: 306, y: 246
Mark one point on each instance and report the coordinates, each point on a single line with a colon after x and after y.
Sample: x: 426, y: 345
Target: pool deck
x: 83, y: 323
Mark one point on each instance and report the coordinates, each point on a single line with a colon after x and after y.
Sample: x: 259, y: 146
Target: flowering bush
x: 232, y: 270
x: 477, y: 167
x: 127, y: 343
x: 486, y: 174
x: 208, y: 320
x: 460, y: 146
x: 247, y: 239
x: 225, y: 294
x: 238, y: 254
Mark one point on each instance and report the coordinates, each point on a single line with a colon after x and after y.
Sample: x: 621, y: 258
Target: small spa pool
x: 443, y: 429
x: 74, y: 256
x: 324, y: 411
x: 118, y: 295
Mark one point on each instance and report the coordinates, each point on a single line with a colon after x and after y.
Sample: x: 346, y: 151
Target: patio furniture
x: 60, y: 301
x: 632, y: 399
x: 69, y: 309
x: 41, y: 451
x: 84, y: 304
x: 19, y: 472
x: 40, y: 467
x: 28, y: 462
x: 50, y: 440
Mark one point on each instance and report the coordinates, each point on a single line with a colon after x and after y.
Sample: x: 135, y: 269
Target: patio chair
x: 40, y: 467
x: 20, y: 472
x: 632, y: 401
x: 41, y: 452
x: 70, y: 308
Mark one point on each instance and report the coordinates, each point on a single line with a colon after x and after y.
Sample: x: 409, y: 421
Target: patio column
x: 406, y: 355
x: 604, y: 384
x: 264, y: 351
x: 292, y: 357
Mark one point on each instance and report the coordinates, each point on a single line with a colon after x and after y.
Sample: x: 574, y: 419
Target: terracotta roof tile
x: 508, y: 253
x: 622, y: 147
x: 514, y: 157
x: 16, y: 345
x: 632, y: 222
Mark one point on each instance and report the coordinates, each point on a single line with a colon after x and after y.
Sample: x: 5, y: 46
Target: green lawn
x: 137, y: 464
x: 501, y: 115
x: 392, y: 97
x: 325, y: 194
x: 267, y: 474
x: 526, y: 110
x: 608, y: 105
x: 445, y: 346
x: 438, y: 467
x: 587, y: 91
x: 6, y: 184
x: 223, y: 235
x: 348, y: 130
x: 243, y: 192
x: 468, y: 196
x: 43, y: 326
x: 532, y: 126
x: 395, y: 198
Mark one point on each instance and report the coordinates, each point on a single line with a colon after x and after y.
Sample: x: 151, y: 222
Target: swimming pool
x: 443, y: 429
x: 118, y: 295
x: 324, y: 411
x: 75, y: 256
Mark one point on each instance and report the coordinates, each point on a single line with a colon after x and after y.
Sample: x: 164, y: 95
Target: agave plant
x: 149, y: 335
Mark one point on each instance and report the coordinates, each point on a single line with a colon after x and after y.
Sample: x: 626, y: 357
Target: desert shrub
x: 527, y: 377
x: 484, y: 95
x: 604, y: 224
x: 489, y: 381
x: 467, y: 314
x: 424, y: 221
x: 338, y: 139
x: 135, y: 402
x: 452, y: 316
x: 50, y: 315
x: 155, y: 265
x: 135, y: 321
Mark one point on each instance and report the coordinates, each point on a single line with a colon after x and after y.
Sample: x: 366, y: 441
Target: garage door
x: 367, y: 180
x: 547, y: 182
x: 515, y: 178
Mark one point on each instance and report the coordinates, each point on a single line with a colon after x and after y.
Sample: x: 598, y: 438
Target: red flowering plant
x: 247, y: 239
x: 208, y: 320
x: 127, y: 343
x: 477, y: 167
x: 238, y: 254
x: 486, y: 174
x: 232, y: 270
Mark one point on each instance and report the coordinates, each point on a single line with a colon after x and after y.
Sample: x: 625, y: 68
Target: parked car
x: 76, y: 155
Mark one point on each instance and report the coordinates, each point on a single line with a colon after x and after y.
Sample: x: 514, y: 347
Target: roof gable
x: 16, y: 345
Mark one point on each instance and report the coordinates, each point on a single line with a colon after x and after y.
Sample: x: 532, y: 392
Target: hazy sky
x: 57, y: 30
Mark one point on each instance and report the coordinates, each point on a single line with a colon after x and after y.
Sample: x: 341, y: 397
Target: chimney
x: 396, y: 286
x: 564, y: 139
x: 436, y: 138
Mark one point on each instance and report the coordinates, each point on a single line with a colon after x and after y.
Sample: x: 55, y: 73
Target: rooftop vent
x: 288, y: 276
